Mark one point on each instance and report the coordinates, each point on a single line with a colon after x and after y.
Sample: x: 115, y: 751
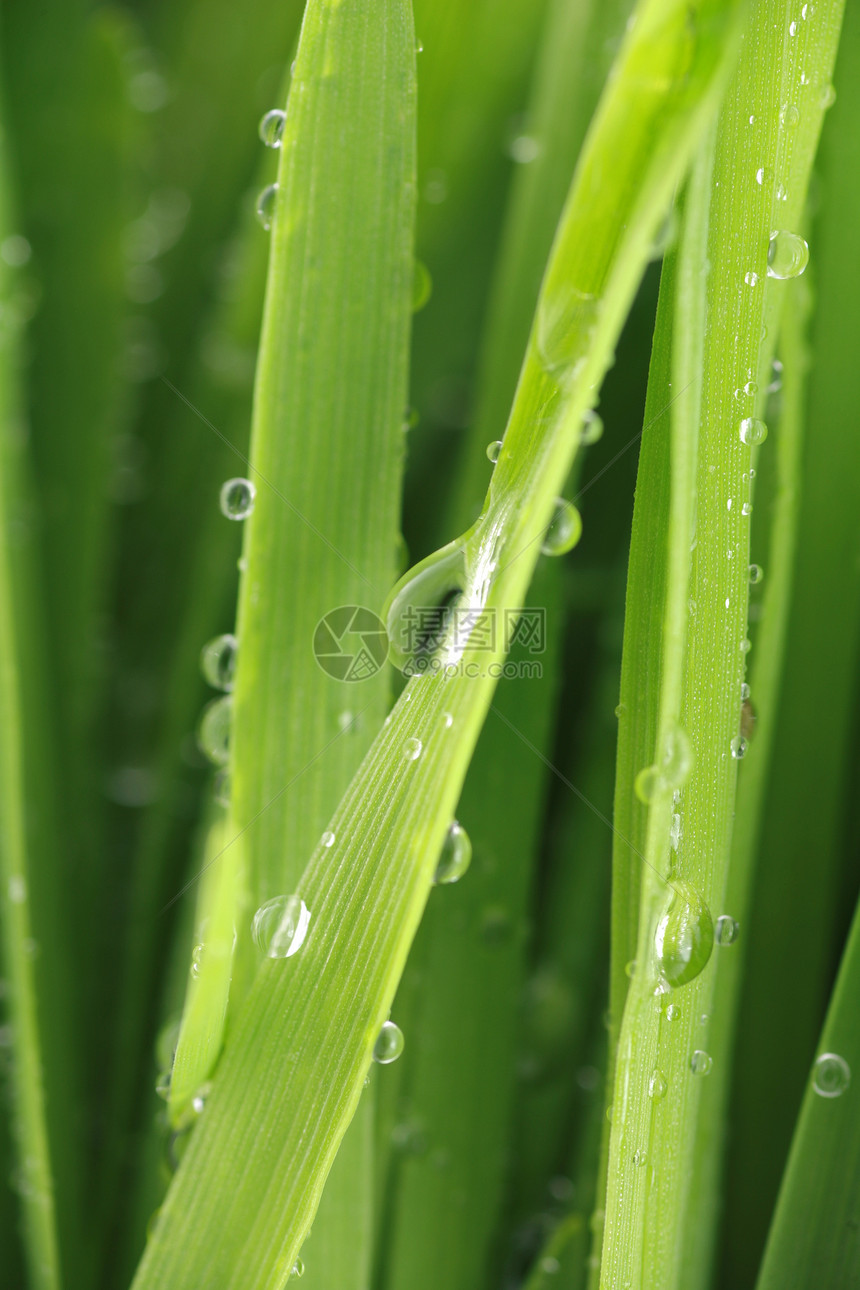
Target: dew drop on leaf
x: 657, y: 1086
x: 213, y: 735
x: 218, y: 661
x: 493, y: 450
x: 752, y: 431
x: 701, y: 1062
x: 831, y: 1075
x: 280, y: 926
x: 456, y: 855
x: 564, y: 531
x: 266, y: 205
x: 237, y: 498
x: 726, y: 930
x: 389, y: 1044
x: 787, y: 255
x: 271, y: 128
x: 412, y: 749
x: 685, y: 935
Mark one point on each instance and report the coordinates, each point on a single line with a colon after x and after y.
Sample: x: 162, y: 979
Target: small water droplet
x: 327, y: 839
x: 745, y: 645
x: 792, y: 29
x: 751, y: 278
x: 756, y: 574
x: 213, y: 735
x: 630, y: 969
x: 781, y: 193
x: 422, y: 285
x: 198, y: 1101
x: 564, y: 531
x: 745, y: 691
x: 763, y: 176
x: 640, y: 1157
x: 389, y: 1044
x: 218, y: 661
x: 684, y: 936
x: 747, y: 508
x: 789, y: 116
x: 826, y: 97
x: 549, y: 1266
x: 739, y: 747
x: 592, y: 428
x: 271, y: 128
x: 419, y: 46
x: 447, y: 720
x: 297, y: 1270
x: 237, y: 498
x: 266, y: 205
x: 787, y: 255
x: 701, y: 1062
x: 657, y: 1086
x: 280, y: 926
x: 197, y: 959
x: 412, y: 749
x: 673, y: 1012
x: 222, y: 788
x: 752, y: 431
x: 456, y: 855
x: 726, y: 930
x: 493, y: 450
x: 675, y: 832
x: 831, y: 1075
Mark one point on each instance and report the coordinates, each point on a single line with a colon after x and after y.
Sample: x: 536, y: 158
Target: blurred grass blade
x: 18, y: 634
x: 702, y: 658
x: 813, y: 1240
x: 320, y: 1013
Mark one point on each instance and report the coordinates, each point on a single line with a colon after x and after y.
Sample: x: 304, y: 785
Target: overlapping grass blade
x: 813, y: 1238
x: 321, y: 1012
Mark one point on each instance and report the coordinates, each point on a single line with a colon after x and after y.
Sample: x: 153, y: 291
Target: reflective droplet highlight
x: 493, y: 450
x: 213, y: 735
x: 701, y: 1062
x: 412, y: 749
x: 389, y: 1044
x: 266, y: 205
x: 657, y: 1086
x: 280, y: 926
x: 298, y: 1270
x: 752, y: 431
x: 271, y: 128
x: 456, y: 855
x: 218, y: 661
x: 564, y: 531
x: 756, y: 573
x: 592, y: 428
x: 685, y: 935
x: 237, y: 498
x: 726, y: 930
x: 787, y: 255
x: 327, y: 839
x: 831, y: 1075
x: 739, y: 747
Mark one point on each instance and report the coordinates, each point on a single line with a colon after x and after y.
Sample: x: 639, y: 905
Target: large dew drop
x: 685, y: 935
x: 752, y: 431
x: 418, y: 612
x: 456, y: 855
x: 237, y: 498
x: 280, y: 926
x: 831, y: 1075
x: 389, y: 1044
x: 213, y: 735
x: 272, y: 128
x: 787, y: 255
x: 565, y: 529
x: 218, y: 662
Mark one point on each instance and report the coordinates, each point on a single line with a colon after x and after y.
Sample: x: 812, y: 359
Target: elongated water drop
x: 237, y: 498
x: 422, y: 285
x: 752, y: 431
x: 456, y: 855
x: 280, y: 926
x: 493, y: 450
x: 197, y: 959
x: 787, y: 255
x: 298, y: 1270
x: 725, y: 930
x: 272, y: 128
x: 213, y: 735
x: 418, y: 610
x: 592, y: 428
x: 389, y: 1044
x: 831, y: 1075
x: 565, y: 529
x: 657, y: 1086
x: 685, y: 935
x: 218, y: 661
x: 756, y: 574
x: 266, y: 205
x: 739, y: 747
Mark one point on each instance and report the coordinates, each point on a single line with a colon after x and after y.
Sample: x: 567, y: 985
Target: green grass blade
x: 813, y: 1240
x: 17, y: 632
x: 367, y: 891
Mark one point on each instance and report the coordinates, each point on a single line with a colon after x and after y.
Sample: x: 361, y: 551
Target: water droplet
x: 685, y: 935
x: 640, y: 1157
x: 524, y: 148
x: 747, y: 508
x: 327, y: 839
x: 789, y: 116
x: 756, y: 574
x: 266, y: 205
x: 745, y: 690
x: 763, y: 176
x: 213, y: 735
x: 198, y: 1101
x: 237, y: 498
x: 493, y: 450
x: 422, y: 285
x: 412, y: 749
x: 456, y: 855
x: 592, y: 428
x: 739, y: 747
x: 620, y: 709
x: 673, y: 1012
x: 389, y: 1044
x: 419, y: 46
x: 447, y: 720
x: 745, y: 645
x: 751, y: 278
x: 222, y: 788
x: 657, y: 1086
x: 826, y: 97
x: 781, y: 193
x: 726, y: 930
x: 197, y: 959
x: 671, y: 771
x: 831, y: 1075
x: 792, y: 29
x: 271, y: 128
x: 630, y: 969
x: 218, y: 661
x: 297, y: 1270
x: 701, y: 1062
x: 549, y: 1266
x: 280, y: 926
x: 675, y: 832
x: 787, y: 255
x: 752, y: 431
x: 564, y: 531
